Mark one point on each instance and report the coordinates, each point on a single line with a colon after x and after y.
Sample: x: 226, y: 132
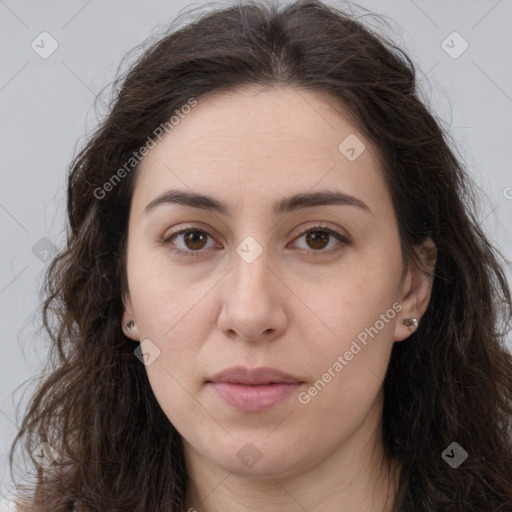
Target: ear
x: 417, y: 288
x: 129, y: 316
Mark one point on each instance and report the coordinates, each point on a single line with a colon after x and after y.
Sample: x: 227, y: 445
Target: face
x: 311, y: 288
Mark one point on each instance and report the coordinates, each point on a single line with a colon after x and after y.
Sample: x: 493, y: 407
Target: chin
x: 259, y: 458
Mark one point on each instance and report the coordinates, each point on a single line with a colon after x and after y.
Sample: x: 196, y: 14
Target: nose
x: 253, y: 302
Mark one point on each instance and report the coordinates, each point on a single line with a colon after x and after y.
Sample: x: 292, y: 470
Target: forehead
x: 259, y: 141
x: 279, y: 116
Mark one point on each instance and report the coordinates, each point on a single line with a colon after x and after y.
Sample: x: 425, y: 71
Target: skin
x: 288, y: 309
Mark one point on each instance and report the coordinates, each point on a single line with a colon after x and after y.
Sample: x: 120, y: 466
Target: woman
x: 274, y: 293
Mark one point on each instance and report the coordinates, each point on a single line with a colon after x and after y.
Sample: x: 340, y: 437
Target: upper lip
x: 254, y: 376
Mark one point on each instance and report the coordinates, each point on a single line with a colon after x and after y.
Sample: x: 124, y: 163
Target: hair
x: 450, y: 381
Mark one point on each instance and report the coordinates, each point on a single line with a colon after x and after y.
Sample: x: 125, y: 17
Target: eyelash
x: 316, y: 228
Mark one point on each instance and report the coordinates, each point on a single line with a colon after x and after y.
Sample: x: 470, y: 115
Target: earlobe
x: 417, y: 290
x: 129, y: 326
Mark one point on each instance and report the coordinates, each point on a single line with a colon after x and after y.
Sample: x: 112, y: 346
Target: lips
x: 256, y: 376
x: 253, y: 390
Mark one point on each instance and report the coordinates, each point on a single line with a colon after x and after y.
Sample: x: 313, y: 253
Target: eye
x: 318, y: 237
x: 191, y: 240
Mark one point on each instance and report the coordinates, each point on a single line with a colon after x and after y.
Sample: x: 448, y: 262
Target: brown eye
x: 189, y: 242
x: 317, y: 238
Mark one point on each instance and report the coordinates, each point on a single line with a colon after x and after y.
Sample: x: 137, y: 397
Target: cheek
x: 177, y: 398
x: 348, y: 369
x: 161, y: 296
x: 349, y: 348
x: 175, y: 377
x: 352, y: 297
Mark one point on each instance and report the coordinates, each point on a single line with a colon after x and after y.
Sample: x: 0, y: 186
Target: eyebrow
x: 280, y: 207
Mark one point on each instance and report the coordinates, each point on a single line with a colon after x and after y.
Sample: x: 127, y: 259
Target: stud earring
x: 410, y: 321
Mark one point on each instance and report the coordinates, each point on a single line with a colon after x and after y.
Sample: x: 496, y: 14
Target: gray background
x: 47, y: 107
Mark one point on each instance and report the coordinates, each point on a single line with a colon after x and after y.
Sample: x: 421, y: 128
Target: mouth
x: 253, y: 390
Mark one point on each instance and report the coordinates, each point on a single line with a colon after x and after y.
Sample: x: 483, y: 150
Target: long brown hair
x: 450, y: 381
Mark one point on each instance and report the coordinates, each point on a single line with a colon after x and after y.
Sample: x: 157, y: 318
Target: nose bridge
x: 251, y: 276
x: 251, y: 252
x: 251, y: 273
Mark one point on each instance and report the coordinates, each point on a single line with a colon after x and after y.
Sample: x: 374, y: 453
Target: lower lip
x: 254, y: 398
